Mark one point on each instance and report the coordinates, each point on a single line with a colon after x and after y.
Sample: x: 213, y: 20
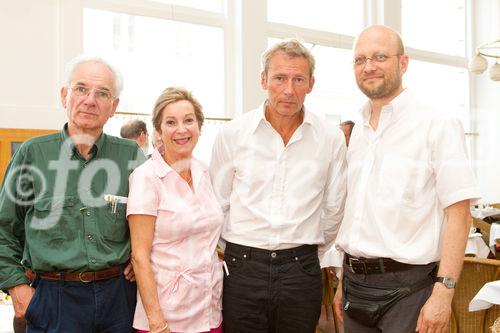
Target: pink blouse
x: 187, y: 270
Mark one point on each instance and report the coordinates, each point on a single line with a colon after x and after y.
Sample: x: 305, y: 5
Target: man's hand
x: 128, y: 271
x: 435, y: 314
x: 21, y: 296
x: 337, y: 301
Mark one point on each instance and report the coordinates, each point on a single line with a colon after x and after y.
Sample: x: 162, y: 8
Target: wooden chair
x: 475, y: 273
x: 485, y: 228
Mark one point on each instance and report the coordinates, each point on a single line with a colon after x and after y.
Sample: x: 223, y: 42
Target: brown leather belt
x: 375, y: 265
x: 84, y: 277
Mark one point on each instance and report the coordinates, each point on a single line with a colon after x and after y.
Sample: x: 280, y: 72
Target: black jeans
x: 271, y: 291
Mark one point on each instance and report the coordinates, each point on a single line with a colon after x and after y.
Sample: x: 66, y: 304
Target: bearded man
x: 407, y: 210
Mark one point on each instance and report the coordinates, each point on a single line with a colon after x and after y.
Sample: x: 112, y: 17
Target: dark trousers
x: 402, y: 317
x: 271, y: 291
x: 105, y: 306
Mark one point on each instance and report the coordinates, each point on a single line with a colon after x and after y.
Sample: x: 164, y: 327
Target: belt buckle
x: 82, y: 278
x: 356, y: 260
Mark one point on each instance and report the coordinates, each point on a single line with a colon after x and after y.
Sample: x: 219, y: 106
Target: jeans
x: 271, y: 291
x: 105, y: 306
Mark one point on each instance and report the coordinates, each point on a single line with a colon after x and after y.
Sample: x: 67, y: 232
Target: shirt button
x: 93, y: 261
x: 273, y: 255
x: 88, y: 213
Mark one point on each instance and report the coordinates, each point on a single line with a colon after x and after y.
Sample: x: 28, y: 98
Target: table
x: 494, y: 235
x: 481, y: 213
x: 487, y: 296
x: 476, y: 246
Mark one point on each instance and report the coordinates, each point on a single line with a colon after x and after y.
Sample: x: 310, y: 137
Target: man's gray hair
x: 132, y: 129
x: 82, y: 58
x: 292, y: 48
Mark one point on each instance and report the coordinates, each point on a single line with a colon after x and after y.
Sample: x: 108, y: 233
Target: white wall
x: 485, y: 108
x: 30, y: 64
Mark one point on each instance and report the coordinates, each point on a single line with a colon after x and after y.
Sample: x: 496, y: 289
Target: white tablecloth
x: 487, y: 296
x: 494, y: 235
x: 481, y: 213
x: 476, y: 246
x: 333, y: 258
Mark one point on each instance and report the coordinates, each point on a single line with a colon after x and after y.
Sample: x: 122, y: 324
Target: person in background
x: 279, y: 174
x: 346, y: 127
x: 136, y: 130
x: 175, y: 224
x: 55, y: 221
x: 407, y: 213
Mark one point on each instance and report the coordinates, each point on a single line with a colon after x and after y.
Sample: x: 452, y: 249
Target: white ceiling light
x: 479, y: 63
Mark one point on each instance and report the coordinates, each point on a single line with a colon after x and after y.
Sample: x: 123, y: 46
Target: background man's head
x: 136, y: 130
x: 287, y: 75
x: 346, y: 127
x: 379, y: 62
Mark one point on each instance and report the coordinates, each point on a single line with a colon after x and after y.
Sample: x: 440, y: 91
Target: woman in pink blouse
x: 175, y: 223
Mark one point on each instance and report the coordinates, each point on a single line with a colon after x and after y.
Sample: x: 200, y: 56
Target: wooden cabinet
x: 11, y: 139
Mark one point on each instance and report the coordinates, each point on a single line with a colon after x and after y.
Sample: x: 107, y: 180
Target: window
x: 209, y: 5
x: 339, y: 16
x: 445, y: 88
x: 437, y: 26
x: 156, y: 53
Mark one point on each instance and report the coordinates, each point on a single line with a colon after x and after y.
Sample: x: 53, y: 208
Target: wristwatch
x: 448, y: 282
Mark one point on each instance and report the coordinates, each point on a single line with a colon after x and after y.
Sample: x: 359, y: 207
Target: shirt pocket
x: 114, y: 225
x: 54, y: 218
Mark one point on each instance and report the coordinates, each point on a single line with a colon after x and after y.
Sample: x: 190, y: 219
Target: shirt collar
x: 260, y: 117
x: 162, y: 169
x: 68, y: 142
x: 396, y: 106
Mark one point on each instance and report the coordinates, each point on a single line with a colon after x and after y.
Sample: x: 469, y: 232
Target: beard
x: 390, y: 85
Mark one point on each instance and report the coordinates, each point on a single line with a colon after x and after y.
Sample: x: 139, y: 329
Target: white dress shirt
x: 400, y: 178
x: 275, y: 196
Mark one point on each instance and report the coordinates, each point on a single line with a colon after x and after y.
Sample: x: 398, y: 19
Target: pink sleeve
x: 143, y: 196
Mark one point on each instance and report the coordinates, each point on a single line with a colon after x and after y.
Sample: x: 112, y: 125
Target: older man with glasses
x: 62, y: 214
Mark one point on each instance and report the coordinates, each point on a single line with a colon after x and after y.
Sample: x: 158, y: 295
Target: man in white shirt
x: 410, y: 183
x: 279, y: 174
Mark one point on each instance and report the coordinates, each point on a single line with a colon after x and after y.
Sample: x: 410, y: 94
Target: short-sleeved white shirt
x: 400, y: 179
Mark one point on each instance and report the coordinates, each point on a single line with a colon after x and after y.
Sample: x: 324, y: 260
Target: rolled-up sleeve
x: 143, y: 196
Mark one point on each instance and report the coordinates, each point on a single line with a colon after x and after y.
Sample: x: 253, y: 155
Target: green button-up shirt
x: 53, y: 216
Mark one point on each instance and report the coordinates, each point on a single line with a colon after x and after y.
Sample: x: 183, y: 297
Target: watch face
x: 447, y: 281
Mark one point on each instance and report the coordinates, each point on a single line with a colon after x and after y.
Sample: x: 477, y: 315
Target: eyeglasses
x: 100, y: 95
x: 377, y: 57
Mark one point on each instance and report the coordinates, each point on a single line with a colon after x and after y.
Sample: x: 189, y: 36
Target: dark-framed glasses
x: 101, y: 95
x: 377, y: 57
